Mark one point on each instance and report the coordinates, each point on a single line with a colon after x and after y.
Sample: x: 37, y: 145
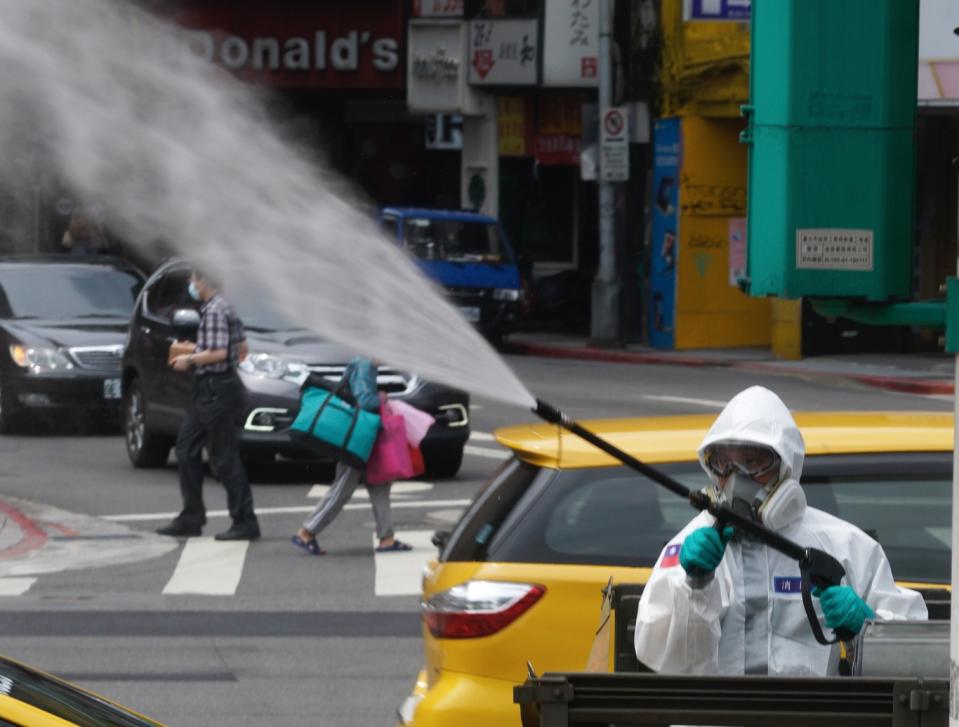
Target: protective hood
x: 758, y: 416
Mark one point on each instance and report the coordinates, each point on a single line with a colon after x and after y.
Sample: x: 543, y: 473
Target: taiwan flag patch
x: 670, y: 556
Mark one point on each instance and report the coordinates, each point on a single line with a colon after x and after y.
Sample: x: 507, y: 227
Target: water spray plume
x: 177, y: 150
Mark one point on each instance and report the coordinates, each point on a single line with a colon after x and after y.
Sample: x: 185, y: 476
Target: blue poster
x: 662, y: 265
x: 720, y: 10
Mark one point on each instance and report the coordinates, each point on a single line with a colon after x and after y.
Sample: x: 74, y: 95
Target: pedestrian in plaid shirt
x: 211, y: 420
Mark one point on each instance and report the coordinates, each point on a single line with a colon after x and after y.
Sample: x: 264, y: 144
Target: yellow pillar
x: 787, y: 329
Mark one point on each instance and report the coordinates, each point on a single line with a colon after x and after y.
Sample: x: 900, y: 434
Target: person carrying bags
x: 357, y: 389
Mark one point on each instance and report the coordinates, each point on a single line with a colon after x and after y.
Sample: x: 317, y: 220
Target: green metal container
x: 831, y: 163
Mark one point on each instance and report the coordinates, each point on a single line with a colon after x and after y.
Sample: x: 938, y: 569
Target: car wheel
x: 443, y: 463
x: 144, y: 448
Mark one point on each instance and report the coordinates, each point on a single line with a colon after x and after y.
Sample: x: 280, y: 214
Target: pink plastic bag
x: 418, y: 422
x: 390, y: 458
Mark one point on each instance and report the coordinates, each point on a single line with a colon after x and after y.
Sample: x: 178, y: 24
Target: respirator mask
x: 738, y: 466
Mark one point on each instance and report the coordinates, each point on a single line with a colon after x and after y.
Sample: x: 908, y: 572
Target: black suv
x: 281, y: 356
x: 62, y: 324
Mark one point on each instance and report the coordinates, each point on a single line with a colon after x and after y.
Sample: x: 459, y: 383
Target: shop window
x: 538, y: 208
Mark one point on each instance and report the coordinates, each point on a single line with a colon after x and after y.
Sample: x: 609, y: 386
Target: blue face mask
x: 194, y: 293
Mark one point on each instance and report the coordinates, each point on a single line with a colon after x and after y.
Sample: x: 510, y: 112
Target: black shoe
x: 239, y: 532
x: 179, y: 529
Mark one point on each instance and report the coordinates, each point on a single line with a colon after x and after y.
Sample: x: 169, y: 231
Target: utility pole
x: 605, y: 327
x: 954, y: 605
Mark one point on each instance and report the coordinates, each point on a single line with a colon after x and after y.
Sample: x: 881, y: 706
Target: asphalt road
x: 266, y: 634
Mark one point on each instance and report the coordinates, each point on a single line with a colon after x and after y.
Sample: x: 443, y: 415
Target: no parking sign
x: 614, y: 145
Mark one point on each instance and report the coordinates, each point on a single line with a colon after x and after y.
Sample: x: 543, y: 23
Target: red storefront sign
x: 559, y: 128
x: 547, y: 126
x: 300, y: 43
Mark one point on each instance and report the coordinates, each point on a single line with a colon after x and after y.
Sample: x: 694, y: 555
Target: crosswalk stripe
x: 287, y: 510
x: 401, y: 573
x: 482, y: 437
x: 400, y: 489
x: 484, y: 452
x: 208, y: 567
x: 15, y: 586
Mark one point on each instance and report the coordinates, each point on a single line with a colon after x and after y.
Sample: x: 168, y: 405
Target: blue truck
x: 469, y: 255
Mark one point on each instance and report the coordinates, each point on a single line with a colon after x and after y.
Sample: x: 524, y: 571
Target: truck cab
x: 470, y: 256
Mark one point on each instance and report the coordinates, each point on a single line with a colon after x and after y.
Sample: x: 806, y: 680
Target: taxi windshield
x: 458, y: 241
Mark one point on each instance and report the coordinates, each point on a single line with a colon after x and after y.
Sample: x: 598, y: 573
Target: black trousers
x: 211, y: 420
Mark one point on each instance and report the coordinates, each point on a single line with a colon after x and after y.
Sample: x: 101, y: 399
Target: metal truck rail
x: 561, y: 700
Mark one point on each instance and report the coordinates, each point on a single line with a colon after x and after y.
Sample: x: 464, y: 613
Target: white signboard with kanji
x: 571, y: 43
x: 614, y: 144
x: 503, y: 52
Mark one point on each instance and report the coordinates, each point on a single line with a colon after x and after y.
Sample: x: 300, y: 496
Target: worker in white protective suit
x: 725, y: 603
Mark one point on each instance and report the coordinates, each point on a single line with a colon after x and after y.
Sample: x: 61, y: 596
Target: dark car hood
x: 302, y: 345
x: 69, y: 333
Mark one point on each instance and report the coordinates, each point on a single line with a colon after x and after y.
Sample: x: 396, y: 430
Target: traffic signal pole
x: 605, y: 327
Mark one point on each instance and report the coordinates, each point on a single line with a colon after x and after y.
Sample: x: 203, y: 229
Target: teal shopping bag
x: 333, y: 427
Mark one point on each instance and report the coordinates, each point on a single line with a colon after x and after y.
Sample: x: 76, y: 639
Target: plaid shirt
x: 220, y: 327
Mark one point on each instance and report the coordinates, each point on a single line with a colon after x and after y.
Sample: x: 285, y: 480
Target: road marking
x: 401, y: 489
x: 24, y: 535
x: 208, y: 567
x: 15, y: 586
x: 686, y: 400
x: 401, y: 573
x: 156, y: 516
x: 482, y: 437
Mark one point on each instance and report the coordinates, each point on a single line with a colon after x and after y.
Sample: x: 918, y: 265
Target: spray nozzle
x: 550, y: 413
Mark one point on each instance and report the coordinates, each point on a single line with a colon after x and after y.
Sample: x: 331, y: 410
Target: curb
x: 903, y: 384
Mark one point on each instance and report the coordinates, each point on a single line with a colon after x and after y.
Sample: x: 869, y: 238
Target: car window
x: 612, y: 516
x: 605, y: 516
x: 64, y: 700
x: 67, y: 291
x: 389, y: 227
x: 492, y: 505
x: 454, y: 240
x: 910, y: 517
x: 169, y: 293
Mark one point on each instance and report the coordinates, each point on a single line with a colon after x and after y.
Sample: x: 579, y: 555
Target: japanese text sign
x: 503, y: 52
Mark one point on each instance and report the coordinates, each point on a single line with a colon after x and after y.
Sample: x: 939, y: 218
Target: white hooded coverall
x: 749, y: 618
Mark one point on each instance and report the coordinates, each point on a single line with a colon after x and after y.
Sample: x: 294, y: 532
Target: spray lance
x: 817, y: 568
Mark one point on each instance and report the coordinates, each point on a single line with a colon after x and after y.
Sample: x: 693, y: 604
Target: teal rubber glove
x: 703, y: 550
x: 843, y: 608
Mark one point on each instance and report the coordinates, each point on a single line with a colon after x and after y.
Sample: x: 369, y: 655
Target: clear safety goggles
x: 750, y: 460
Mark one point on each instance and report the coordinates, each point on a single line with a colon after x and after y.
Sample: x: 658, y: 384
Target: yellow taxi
x: 520, y: 577
x: 30, y: 698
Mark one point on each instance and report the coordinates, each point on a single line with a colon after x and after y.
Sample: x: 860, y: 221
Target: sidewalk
x: 913, y: 373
